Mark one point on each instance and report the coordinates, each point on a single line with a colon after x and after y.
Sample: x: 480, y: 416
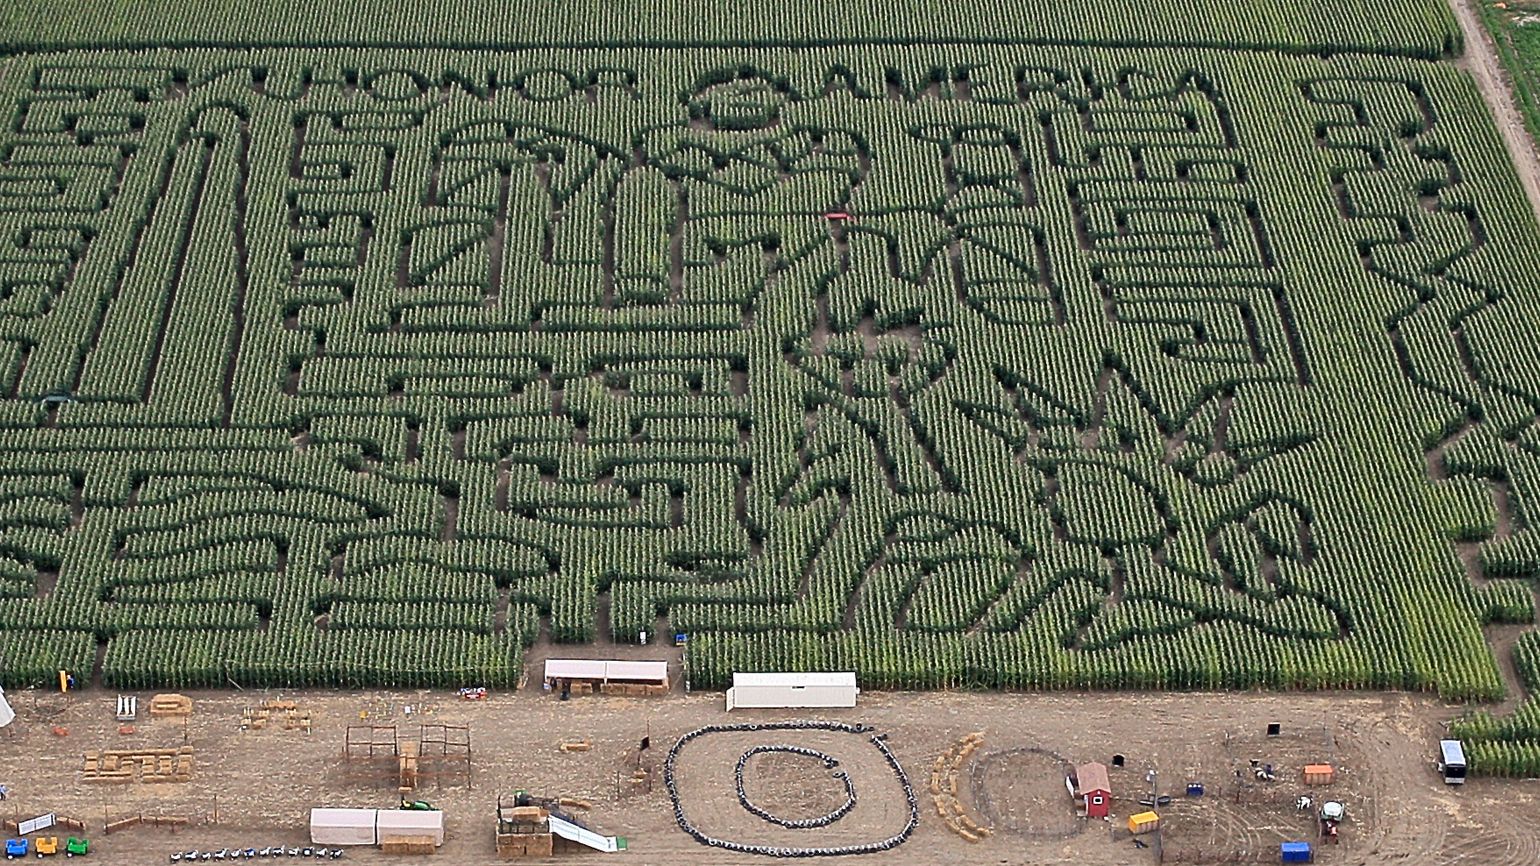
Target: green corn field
x: 365, y: 347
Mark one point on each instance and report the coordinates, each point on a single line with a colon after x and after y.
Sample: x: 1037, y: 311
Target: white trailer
x: 785, y: 690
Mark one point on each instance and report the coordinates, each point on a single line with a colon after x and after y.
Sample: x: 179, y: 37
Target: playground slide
x: 585, y: 836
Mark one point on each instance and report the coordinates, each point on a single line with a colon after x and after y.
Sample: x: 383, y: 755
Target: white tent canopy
x: 373, y: 826
x: 792, y: 689
x: 342, y: 826
x: 606, y: 670
x: 394, y: 823
x: 7, y: 715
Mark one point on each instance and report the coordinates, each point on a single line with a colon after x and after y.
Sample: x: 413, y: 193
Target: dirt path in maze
x: 1481, y: 62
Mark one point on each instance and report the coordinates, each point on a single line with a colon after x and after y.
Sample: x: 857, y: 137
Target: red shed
x: 1093, y: 789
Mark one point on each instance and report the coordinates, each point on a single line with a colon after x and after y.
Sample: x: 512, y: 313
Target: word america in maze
x: 997, y: 367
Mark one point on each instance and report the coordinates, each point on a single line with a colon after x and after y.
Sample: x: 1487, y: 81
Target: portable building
x: 1295, y: 852
x: 1143, y: 822
x: 1093, y: 789
x: 1452, y: 761
x: 342, y: 826
x: 1319, y: 774
x: 787, y: 689
x: 401, y: 823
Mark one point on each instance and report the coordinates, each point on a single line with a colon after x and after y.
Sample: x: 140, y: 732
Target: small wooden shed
x: 1093, y: 789
x: 1319, y: 774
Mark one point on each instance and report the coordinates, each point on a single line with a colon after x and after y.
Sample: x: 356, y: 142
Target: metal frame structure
x: 443, y: 753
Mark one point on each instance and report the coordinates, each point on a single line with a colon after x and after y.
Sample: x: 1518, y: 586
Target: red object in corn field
x: 836, y: 215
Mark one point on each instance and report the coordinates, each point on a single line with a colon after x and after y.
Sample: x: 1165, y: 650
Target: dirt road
x: 1480, y: 60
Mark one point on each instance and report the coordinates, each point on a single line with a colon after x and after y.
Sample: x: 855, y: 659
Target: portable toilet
x: 1296, y: 852
x: 1143, y: 822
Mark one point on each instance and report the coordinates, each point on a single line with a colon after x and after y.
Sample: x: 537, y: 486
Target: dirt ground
x: 260, y: 785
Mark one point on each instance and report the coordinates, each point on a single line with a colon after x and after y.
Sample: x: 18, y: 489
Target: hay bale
x: 170, y: 705
x: 408, y: 845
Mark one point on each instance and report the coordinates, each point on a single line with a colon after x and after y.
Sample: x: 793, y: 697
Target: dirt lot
x: 261, y: 784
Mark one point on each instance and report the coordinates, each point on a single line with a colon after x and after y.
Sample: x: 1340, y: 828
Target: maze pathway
x: 1025, y: 366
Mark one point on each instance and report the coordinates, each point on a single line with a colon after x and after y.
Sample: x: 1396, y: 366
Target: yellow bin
x: 1144, y: 822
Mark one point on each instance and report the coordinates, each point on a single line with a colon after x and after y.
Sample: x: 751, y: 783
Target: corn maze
x: 995, y: 363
